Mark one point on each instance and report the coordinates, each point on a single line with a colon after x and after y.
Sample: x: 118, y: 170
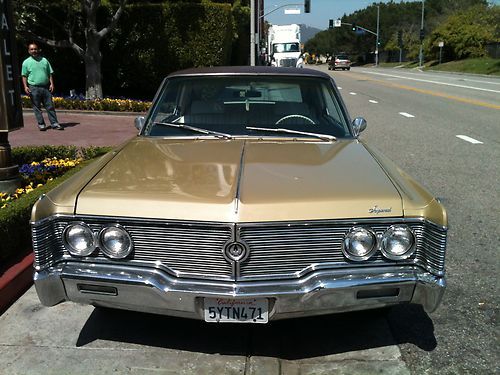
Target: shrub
x: 28, y: 154
x: 15, y: 231
x: 107, y: 104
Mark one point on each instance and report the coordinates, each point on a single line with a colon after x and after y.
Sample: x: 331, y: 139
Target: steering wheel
x: 295, y: 116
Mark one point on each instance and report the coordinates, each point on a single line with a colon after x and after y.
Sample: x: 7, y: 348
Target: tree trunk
x: 93, y: 58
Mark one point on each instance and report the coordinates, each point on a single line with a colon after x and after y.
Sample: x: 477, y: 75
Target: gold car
x: 246, y: 197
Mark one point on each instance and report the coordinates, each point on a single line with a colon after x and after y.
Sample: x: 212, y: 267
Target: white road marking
x: 406, y: 114
x: 373, y: 101
x: 340, y: 88
x: 352, y: 93
x: 435, y: 82
x: 469, y: 139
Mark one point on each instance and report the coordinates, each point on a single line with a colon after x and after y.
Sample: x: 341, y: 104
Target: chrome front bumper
x: 321, y: 292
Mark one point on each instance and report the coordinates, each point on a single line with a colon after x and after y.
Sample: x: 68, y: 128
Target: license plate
x: 229, y: 310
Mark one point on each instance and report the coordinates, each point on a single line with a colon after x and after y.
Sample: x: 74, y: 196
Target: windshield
x: 239, y: 105
x: 286, y: 47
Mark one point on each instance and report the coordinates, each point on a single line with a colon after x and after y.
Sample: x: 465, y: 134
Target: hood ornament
x: 377, y: 210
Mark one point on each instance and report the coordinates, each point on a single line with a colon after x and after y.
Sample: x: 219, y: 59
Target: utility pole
x: 252, y: 32
x: 260, y: 28
x: 421, y: 54
x: 376, y: 43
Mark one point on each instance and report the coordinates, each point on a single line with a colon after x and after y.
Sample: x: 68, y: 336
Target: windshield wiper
x: 195, y: 129
x: 325, y: 137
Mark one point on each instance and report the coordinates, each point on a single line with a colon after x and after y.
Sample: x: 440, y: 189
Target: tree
x: 77, y: 27
x: 394, y: 16
x: 466, y: 33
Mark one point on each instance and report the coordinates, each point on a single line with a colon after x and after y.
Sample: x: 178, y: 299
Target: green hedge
x: 15, y: 231
x: 153, y: 40
x: 28, y: 154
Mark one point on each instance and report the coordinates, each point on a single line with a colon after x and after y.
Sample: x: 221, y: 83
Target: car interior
x: 230, y: 106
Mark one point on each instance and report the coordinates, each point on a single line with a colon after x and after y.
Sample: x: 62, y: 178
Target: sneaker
x: 57, y: 127
x: 42, y: 128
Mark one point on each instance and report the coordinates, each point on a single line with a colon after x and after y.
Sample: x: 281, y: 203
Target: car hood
x: 241, y: 180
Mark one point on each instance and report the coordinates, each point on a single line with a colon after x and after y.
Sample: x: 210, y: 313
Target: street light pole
x: 376, y: 43
x: 252, y: 32
x: 421, y: 54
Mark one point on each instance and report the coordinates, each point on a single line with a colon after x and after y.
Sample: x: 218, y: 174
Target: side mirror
x: 358, y: 125
x: 139, y: 122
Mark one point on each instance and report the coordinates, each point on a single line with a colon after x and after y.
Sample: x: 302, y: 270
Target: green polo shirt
x: 37, y: 71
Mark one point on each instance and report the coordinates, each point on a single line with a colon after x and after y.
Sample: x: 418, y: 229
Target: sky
x: 321, y: 11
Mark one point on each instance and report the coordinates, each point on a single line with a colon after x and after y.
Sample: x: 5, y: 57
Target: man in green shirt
x: 39, y: 84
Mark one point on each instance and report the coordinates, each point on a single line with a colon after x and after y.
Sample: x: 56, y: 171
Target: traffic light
x: 307, y: 6
x: 400, y: 38
x: 354, y: 27
x: 330, y: 24
x: 422, y: 34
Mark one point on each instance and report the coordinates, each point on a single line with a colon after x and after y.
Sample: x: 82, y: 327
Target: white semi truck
x: 283, y: 42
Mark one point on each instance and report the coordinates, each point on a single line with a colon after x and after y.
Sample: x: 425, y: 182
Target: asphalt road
x: 414, y: 118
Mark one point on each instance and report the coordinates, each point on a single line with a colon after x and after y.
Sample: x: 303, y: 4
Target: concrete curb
x: 15, y: 281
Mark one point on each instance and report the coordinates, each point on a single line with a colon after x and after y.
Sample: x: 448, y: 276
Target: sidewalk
x: 80, y: 129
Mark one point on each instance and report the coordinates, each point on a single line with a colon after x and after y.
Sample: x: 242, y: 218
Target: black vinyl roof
x: 249, y: 70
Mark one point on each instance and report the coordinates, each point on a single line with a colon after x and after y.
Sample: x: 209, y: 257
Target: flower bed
x: 40, y: 177
x: 107, y: 104
x: 37, y: 174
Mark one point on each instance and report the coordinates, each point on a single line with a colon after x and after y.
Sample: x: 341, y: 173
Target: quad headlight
x: 115, y: 242
x: 398, y: 242
x: 359, y: 243
x: 79, y: 239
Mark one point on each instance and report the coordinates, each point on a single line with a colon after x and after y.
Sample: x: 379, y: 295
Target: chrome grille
x: 277, y: 250
x: 293, y: 249
x: 431, y: 247
x: 288, y: 62
x: 182, y: 249
x: 47, y: 244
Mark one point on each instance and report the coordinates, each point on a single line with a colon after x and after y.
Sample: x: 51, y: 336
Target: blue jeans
x: 41, y: 95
